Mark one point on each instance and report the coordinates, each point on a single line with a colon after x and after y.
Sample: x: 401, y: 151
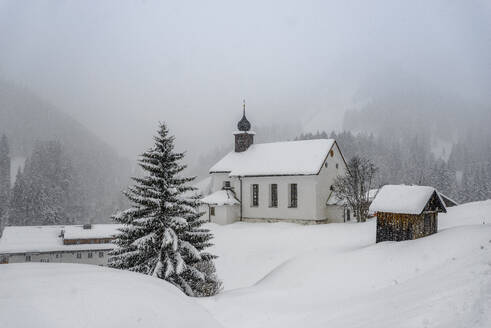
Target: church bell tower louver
x: 243, y: 137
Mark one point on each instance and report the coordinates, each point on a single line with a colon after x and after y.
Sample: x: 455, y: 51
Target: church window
x: 293, y: 195
x: 273, y: 198
x: 255, y: 195
x: 332, y: 153
x: 325, y: 164
x: 337, y: 166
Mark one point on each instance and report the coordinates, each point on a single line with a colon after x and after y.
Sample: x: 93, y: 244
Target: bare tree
x: 354, y: 187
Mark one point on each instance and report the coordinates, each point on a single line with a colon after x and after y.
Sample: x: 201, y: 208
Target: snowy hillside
x: 75, y: 295
x: 335, y: 275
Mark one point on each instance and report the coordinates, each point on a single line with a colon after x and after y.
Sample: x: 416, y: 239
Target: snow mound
x: 469, y: 213
x: 336, y: 276
x: 75, y: 295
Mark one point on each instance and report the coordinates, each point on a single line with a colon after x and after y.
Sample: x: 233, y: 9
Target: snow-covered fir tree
x: 162, y: 232
x: 46, y: 191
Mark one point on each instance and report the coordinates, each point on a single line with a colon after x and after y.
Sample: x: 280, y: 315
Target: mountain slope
x: 26, y: 119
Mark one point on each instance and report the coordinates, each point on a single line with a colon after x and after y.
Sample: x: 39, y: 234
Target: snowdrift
x: 336, y: 276
x: 74, y: 295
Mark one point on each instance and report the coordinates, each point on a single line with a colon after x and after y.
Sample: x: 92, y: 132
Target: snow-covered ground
x: 284, y: 275
x: 280, y: 275
x: 76, y: 295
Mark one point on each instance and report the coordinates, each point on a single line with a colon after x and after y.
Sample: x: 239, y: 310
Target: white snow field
x: 285, y: 275
x: 76, y: 295
x: 280, y: 275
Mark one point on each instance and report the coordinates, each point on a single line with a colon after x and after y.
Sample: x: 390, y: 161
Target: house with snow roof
x: 406, y: 212
x: 280, y: 181
x: 87, y: 244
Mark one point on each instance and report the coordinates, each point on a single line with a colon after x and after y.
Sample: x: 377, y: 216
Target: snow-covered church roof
x: 303, y: 157
x: 403, y: 199
x: 220, y: 198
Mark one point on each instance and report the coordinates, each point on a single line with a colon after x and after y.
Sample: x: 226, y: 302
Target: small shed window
x: 89, y: 255
x: 212, y: 210
x: 273, y: 198
x: 28, y: 258
x: 255, y: 195
x: 293, y: 195
x: 101, y: 254
x: 226, y: 184
x: 79, y: 255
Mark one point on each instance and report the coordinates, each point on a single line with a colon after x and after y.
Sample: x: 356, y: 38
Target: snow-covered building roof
x: 403, y: 199
x: 95, y: 231
x: 21, y: 239
x: 220, y: 198
x: 303, y: 157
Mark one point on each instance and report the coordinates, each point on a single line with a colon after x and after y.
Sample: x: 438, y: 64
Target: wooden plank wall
x: 397, y: 227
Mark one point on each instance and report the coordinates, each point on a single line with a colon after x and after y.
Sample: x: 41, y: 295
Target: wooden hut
x: 406, y: 212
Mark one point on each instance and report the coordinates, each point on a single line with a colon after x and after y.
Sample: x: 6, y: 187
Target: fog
x: 119, y: 67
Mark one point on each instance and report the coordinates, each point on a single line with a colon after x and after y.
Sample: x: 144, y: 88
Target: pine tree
x: 162, y: 233
x: 45, y: 191
x: 19, y: 205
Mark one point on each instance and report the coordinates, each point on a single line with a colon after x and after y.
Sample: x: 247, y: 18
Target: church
x: 276, y: 182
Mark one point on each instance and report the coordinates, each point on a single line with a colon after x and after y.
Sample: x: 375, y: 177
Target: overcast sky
x: 121, y: 66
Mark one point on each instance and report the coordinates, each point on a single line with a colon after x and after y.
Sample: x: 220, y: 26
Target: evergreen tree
x: 46, y: 192
x: 19, y: 206
x: 4, y: 179
x: 162, y: 233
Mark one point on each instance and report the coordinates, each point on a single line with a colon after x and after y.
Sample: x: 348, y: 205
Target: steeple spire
x: 244, y: 125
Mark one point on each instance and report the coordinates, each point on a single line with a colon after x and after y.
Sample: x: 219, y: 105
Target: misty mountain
x: 27, y: 119
x: 396, y: 104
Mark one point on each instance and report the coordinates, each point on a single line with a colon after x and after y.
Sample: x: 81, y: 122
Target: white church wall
x: 334, y: 213
x: 225, y: 214
x: 218, y: 180
x: 324, y: 181
x: 305, y: 209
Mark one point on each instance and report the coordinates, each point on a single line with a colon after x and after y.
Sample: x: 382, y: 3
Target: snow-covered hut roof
x: 403, y: 199
x: 220, y: 198
x: 22, y: 239
x: 303, y: 157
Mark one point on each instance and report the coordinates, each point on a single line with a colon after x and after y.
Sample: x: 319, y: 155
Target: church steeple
x: 244, y: 124
x: 244, y: 137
